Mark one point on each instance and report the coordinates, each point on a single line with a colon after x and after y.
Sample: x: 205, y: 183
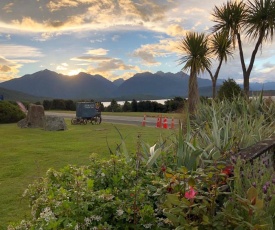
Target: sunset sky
x: 114, y: 38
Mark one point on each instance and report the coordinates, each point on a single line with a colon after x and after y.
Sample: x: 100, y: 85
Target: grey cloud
x: 146, y: 56
x: 55, y: 23
x: 63, y: 13
x: 113, y: 64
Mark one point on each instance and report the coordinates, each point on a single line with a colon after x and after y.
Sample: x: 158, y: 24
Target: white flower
x: 122, y: 178
x: 25, y: 192
x: 147, y: 225
x: 96, y: 218
x: 47, y: 214
x: 119, y: 212
x: 87, y: 221
x: 103, y: 174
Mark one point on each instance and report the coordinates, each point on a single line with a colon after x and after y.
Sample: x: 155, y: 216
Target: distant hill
x: 142, y: 86
x: 12, y: 95
x: 161, y: 85
x: 119, y: 81
x: 47, y: 83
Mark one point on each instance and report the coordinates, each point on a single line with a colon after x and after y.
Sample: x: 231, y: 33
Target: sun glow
x: 74, y: 72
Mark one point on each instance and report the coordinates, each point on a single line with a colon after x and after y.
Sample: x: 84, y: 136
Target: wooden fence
x: 264, y: 150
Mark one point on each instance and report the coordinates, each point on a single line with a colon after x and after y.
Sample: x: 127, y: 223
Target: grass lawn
x: 26, y: 154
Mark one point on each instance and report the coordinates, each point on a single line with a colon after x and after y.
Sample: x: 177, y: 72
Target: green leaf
x: 205, y: 219
x: 252, y: 193
x: 90, y: 183
x: 173, y: 218
x: 173, y: 199
x: 191, y: 181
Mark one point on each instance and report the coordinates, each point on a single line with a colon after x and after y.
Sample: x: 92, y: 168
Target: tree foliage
x: 196, y: 58
x: 229, y: 90
x: 254, y: 19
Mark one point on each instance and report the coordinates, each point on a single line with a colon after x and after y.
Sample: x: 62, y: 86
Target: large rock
x: 23, y: 123
x: 35, y: 116
x: 54, y: 123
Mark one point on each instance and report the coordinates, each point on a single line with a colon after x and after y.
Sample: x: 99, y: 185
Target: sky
x: 113, y: 38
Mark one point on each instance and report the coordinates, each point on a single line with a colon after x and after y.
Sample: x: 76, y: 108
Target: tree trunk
x: 246, y: 85
x: 193, y: 93
x: 214, y: 81
x: 246, y: 76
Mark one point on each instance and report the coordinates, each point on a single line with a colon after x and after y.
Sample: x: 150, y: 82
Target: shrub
x: 10, y: 113
x: 112, y: 194
x: 229, y: 90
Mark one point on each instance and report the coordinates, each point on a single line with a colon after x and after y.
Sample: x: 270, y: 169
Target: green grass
x: 26, y: 154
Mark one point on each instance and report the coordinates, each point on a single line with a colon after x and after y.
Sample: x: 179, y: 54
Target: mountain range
x: 142, y: 86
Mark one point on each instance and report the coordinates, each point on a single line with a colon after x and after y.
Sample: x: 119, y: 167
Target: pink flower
x: 190, y: 194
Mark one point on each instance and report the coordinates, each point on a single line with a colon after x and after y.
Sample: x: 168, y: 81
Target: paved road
x: 150, y: 121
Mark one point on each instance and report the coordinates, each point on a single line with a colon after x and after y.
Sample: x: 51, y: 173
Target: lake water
x: 161, y: 101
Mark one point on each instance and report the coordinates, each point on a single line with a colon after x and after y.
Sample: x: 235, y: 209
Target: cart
x: 87, y: 112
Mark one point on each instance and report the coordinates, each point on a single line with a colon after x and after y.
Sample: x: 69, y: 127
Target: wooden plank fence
x: 263, y: 150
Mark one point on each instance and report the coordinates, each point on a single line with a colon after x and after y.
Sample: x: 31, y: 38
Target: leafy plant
x: 109, y: 194
x: 10, y: 113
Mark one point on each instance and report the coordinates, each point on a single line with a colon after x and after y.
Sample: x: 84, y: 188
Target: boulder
x: 35, y: 116
x: 23, y: 123
x: 54, y: 123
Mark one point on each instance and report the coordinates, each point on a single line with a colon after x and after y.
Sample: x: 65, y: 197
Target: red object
x: 158, y: 123
x: 191, y: 194
x: 144, y: 121
x: 164, y: 124
x: 228, y: 170
x: 172, y: 123
x: 163, y: 168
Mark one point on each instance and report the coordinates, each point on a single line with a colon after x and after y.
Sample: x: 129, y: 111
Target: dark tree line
x: 59, y: 104
x: 172, y: 105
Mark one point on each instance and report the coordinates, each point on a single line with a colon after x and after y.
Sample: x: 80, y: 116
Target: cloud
x: 149, y: 52
x: 105, y: 66
x: 147, y: 57
x: 63, y: 66
x: 8, y: 7
x: 19, y: 51
x: 175, y: 30
x: 115, y: 38
x: 114, y: 64
x: 4, y: 68
x: 79, y: 15
x: 97, y: 52
x: 8, y: 69
x: 91, y: 58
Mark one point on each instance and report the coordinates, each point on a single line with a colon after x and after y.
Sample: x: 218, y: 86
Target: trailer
x: 87, y: 112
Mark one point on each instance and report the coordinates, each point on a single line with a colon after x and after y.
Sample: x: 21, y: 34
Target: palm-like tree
x: 221, y: 47
x: 256, y: 19
x: 196, y: 59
